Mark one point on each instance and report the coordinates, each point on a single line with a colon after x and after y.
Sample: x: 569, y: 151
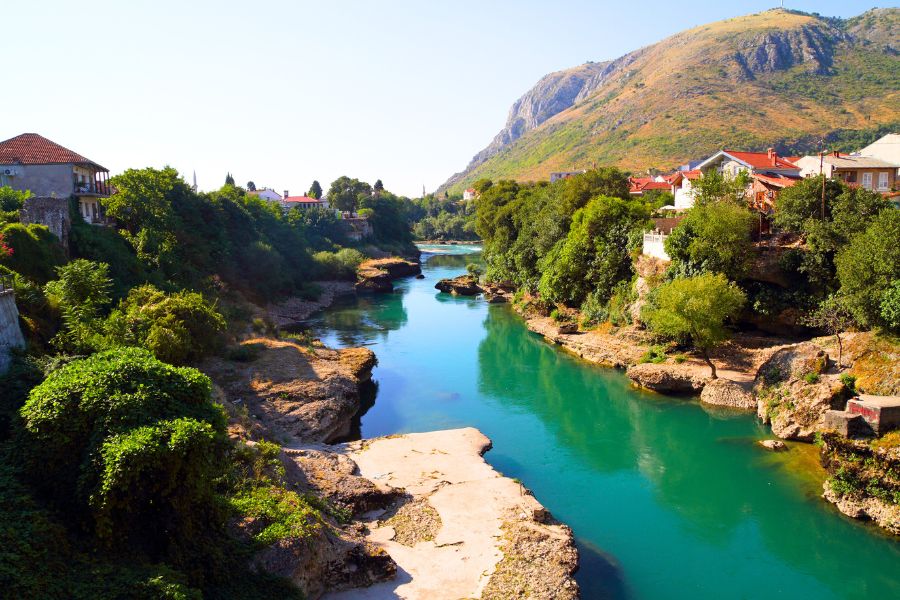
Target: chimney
x: 286, y: 194
x: 773, y: 156
x: 837, y: 153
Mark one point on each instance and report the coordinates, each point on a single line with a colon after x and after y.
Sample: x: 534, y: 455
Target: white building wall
x: 684, y: 195
x: 654, y: 246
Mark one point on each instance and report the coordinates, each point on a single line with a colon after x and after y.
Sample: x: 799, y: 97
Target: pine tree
x: 229, y: 180
x: 251, y: 187
x: 315, y: 190
x: 379, y: 187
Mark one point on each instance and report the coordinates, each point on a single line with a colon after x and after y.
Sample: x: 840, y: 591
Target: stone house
x: 557, y: 175
x: 32, y: 162
x: 855, y: 169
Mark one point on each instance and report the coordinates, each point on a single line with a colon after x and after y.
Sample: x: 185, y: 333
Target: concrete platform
x: 882, y: 413
x: 847, y: 424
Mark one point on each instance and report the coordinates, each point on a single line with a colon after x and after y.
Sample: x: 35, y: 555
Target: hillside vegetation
x: 777, y: 78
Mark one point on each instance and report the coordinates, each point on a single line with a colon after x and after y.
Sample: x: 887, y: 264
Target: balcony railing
x: 96, y: 188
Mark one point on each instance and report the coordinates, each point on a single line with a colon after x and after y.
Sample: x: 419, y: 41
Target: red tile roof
x: 302, y: 200
x: 639, y: 185
x: 761, y: 160
x: 34, y: 149
x: 781, y: 181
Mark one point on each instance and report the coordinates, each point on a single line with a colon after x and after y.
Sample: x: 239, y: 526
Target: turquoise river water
x: 667, y: 499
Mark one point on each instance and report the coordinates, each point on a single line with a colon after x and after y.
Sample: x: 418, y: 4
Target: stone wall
x: 52, y: 212
x: 10, y: 333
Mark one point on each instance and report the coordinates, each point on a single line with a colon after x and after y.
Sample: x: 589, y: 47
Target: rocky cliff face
x: 608, y: 101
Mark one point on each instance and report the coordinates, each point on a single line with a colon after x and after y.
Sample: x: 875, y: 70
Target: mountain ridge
x: 701, y: 89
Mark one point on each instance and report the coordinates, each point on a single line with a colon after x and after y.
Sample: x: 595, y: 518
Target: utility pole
x: 822, y: 175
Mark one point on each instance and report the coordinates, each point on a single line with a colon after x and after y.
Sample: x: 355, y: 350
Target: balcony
x: 92, y: 188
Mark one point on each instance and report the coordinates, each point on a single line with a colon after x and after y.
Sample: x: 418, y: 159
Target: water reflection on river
x: 668, y: 500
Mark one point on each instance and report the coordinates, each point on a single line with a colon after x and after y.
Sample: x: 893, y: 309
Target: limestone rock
x: 376, y: 275
x: 793, y: 361
x: 723, y: 392
x: 774, y: 445
x: 797, y: 410
x: 667, y: 379
x: 867, y: 508
x: 464, y: 285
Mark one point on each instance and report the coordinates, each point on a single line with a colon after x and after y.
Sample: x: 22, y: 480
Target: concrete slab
x: 881, y: 412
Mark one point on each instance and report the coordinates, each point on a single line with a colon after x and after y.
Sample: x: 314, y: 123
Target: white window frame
x: 866, y: 180
x: 883, y: 180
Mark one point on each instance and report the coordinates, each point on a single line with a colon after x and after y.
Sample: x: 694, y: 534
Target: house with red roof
x: 32, y: 162
x: 769, y: 174
x: 470, y: 194
x: 638, y: 186
x: 301, y: 202
x: 682, y: 187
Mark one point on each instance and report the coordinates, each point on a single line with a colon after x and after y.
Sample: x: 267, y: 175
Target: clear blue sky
x: 284, y: 92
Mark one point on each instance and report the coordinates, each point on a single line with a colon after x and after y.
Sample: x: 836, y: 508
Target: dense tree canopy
x: 714, y: 238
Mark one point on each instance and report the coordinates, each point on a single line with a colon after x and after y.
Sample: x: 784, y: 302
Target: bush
x: 178, y: 328
x: 890, y: 307
x: 811, y: 378
x: 80, y: 293
x: 36, y: 251
x: 654, y: 354
x: 849, y: 382
x: 337, y: 265
x: 593, y: 310
x: 89, y: 420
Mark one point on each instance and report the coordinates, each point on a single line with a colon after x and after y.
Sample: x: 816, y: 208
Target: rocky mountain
x: 779, y: 78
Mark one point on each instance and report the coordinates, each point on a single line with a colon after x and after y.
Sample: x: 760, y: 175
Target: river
x: 667, y: 499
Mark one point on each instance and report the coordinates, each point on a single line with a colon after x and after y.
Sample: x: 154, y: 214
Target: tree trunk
x: 840, y: 365
x: 710, y: 363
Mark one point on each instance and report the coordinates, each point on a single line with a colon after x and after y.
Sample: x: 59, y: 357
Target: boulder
x: 773, y: 445
x: 665, y: 378
x: 724, y: 392
x: 376, y: 275
x: 464, y: 285
x: 793, y: 361
x: 797, y: 409
x: 566, y: 328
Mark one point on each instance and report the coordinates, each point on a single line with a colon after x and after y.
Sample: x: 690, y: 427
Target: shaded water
x: 667, y: 499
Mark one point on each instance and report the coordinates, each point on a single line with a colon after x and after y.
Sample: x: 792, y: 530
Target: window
x: 867, y: 181
x: 883, y: 180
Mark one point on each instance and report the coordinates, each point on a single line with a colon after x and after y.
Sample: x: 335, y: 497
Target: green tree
x: 715, y: 238
x: 379, y: 187
x: 482, y: 185
x: 868, y: 267
x: 144, y: 206
x: 695, y: 308
x: 35, y: 251
x: 890, y: 307
x: 229, y: 180
x: 715, y: 187
x: 594, y: 256
x: 315, y: 190
x: 833, y: 317
x: 344, y: 193
x: 251, y: 187
x: 10, y: 202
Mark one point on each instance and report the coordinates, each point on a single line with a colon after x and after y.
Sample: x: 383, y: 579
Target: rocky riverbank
x: 459, y: 529
x: 413, y: 516
x: 377, y: 275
